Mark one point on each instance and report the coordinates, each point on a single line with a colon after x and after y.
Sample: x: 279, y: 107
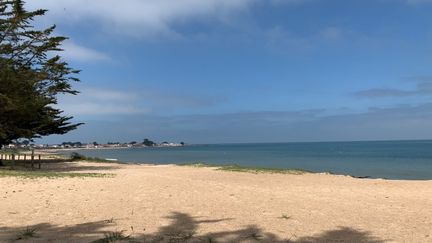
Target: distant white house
x: 10, y: 146
x: 167, y: 144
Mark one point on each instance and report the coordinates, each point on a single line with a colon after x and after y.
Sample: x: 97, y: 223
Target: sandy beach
x: 187, y: 204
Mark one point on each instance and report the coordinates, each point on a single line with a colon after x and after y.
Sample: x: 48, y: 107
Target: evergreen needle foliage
x: 32, y: 76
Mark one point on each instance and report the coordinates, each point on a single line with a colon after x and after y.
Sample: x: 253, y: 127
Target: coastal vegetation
x: 116, y: 236
x: 32, y: 76
x: 26, y: 234
x: 248, y: 169
x: 79, y: 157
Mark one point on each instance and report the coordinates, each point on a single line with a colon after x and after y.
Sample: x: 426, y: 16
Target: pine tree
x: 32, y: 76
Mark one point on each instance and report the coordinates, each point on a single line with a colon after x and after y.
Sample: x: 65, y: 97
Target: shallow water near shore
x: 379, y: 159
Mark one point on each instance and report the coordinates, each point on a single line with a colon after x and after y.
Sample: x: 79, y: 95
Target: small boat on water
x: 111, y: 159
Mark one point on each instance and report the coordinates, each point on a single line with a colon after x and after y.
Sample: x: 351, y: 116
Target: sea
x: 411, y: 160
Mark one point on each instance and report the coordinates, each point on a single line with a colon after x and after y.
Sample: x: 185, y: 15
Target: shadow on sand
x: 183, y: 228
x: 60, y: 165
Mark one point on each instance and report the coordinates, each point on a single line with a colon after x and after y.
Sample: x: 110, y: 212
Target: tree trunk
x: 1, y: 158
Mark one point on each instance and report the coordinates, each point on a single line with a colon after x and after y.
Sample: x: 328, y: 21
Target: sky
x: 235, y: 71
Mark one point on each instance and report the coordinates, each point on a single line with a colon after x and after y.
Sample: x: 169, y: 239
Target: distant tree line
x: 146, y: 142
x: 72, y: 144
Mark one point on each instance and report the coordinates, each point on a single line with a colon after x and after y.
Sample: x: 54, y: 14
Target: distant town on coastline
x: 93, y: 145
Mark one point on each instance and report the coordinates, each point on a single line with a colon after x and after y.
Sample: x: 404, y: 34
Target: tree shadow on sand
x: 60, y: 165
x: 71, y: 166
x: 183, y: 228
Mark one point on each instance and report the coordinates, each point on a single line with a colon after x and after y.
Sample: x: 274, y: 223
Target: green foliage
x: 31, y: 76
x: 198, y: 164
x: 79, y: 157
x: 148, y: 143
x: 255, y: 236
x: 111, y: 237
x: 255, y: 170
x: 26, y: 234
x: 110, y: 221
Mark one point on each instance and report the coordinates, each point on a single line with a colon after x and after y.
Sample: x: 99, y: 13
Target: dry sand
x: 172, y: 203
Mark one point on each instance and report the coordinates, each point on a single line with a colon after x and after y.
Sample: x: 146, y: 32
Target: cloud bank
x: 418, y: 1
x: 148, y: 17
x: 101, y: 103
x: 140, y: 17
x: 75, y: 52
x: 421, y: 89
x: 401, y: 122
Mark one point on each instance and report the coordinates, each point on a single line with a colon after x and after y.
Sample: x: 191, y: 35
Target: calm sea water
x: 384, y: 159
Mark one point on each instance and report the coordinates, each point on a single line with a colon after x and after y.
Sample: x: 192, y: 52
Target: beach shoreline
x: 148, y: 201
x: 390, y: 159
x: 56, y: 154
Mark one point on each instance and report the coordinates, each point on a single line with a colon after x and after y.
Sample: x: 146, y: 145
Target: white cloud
x: 94, y: 108
x: 100, y: 102
x: 418, y: 1
x: 96, y: 102
x: 422, y: 89
x: 140, y: 17
x: 147, y: 17
x: 81, y: 53
x: 110, y: 95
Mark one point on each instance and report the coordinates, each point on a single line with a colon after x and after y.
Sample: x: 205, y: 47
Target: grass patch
x: 284, y: 216
x: 116, y: 236
x: 110, y: 221
x: 199, y: 164
x: 179, y: 236
x: 255, y: 170
x: 255, y: 236
x: 26, y: 234
x: 79, y: 157
x: 51, y: 175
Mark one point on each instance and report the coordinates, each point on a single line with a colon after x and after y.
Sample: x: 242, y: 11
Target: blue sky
x: 211, y: 71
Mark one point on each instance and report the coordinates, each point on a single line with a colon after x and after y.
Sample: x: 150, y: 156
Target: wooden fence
x: 19, y: 158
